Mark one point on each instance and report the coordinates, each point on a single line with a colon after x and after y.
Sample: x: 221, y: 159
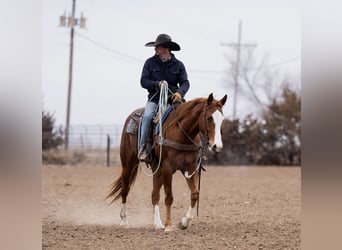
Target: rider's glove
x: 176, y: 97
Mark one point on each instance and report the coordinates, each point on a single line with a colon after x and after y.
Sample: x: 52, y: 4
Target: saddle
x: 133, y: 126
x: 133, y: 122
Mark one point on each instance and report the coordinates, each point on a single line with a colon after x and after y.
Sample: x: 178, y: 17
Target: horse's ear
x: 223, y: 100
x: 210, y: 98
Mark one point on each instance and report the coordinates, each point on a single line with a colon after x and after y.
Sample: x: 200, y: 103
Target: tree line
x: 273, y: 139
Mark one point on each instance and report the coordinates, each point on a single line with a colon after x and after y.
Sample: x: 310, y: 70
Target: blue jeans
x: 146, y: 122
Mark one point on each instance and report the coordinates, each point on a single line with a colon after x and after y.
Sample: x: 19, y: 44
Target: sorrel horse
x: 177, y: 149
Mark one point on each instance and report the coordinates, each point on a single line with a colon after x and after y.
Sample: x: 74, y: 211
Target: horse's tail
x: 129, y: 161
x: 117, y: 189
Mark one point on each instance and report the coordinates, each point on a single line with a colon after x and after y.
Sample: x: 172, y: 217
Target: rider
x: 163, y: 66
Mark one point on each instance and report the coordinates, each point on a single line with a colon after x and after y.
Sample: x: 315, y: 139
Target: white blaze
x: 218, y: 119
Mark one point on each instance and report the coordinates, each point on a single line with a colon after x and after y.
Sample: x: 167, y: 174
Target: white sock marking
x: 188, y: 216
x: 123, y: 215
x: 157, y: 221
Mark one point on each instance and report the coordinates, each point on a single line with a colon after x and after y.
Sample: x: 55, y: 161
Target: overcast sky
x: 109, y: 54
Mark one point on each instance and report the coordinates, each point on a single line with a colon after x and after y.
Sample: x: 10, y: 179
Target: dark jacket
x: 172, y: 71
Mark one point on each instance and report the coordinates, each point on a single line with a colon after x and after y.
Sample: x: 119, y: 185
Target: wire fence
x: 94, y: 136
x: 244, y: 143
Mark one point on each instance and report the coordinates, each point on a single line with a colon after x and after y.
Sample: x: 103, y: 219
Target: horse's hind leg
x: 128, y: 175
x: 124, y: 192
x: 192, y: 183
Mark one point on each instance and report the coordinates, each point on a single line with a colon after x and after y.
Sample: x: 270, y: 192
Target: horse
x: 177, y: 149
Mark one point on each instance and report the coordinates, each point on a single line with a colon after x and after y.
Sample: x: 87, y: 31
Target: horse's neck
x: 190, y: 124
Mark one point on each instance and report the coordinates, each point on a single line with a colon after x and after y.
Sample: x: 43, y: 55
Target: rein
x: 178, y: 146
x: 190, y: 147
x: 162, y: 142
x: 204, y: 143
x: 161, y: 109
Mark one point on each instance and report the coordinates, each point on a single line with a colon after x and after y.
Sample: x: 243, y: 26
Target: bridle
x: 206, y: 134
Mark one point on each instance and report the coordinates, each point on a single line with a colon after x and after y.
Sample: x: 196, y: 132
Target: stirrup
x: 142, y: 156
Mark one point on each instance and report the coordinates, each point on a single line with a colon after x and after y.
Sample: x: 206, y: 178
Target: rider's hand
x: 176, y: 97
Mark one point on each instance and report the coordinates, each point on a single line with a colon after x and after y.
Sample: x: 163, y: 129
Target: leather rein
x: 190, y: 147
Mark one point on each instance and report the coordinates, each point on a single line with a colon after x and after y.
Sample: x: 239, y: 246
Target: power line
x: 108, y: 48
x: 205, y: 71
x: 110, y: 55
x: 282, y: 62
x: 200, y: 71
x: 194, y: 71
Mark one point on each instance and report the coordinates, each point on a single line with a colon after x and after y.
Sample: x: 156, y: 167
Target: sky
x: 109, y: 54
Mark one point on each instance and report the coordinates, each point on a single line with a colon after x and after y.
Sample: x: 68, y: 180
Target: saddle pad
x: 165, y: 115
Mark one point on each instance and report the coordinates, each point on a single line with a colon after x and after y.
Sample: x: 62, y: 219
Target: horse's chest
x: 184, y: 161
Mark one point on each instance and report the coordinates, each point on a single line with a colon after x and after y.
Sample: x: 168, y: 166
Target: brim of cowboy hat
x: 171, y: 45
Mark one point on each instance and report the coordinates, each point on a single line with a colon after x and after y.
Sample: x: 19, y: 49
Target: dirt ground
x: 240, y: 208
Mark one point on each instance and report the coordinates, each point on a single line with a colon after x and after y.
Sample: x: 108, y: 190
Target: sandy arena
x: 240, y: 208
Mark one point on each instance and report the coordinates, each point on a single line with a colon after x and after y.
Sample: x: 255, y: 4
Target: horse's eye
x: 210, y: 119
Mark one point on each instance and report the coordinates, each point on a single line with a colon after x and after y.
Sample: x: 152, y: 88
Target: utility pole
x: 237, y: 46
x: 70, y: 22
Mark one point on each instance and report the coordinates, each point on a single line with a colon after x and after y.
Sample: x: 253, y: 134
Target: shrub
x: 50, y: 139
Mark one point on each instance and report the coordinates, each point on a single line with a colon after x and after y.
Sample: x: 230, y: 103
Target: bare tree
x: 258, y: 82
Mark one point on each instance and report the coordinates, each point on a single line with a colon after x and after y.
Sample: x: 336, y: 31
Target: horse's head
x: 212, y: 122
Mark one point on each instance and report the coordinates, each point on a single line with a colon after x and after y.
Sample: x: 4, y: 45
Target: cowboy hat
x: 164, y: 40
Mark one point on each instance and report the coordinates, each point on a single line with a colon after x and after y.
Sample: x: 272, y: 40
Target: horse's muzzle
x: 215, y: 148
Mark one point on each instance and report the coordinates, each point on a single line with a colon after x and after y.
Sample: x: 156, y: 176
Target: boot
x: 142, y: 155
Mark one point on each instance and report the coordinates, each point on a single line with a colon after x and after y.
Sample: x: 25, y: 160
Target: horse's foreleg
x: 168, y: 201
x: 158, y: 224
x: 155, y: 201
x: 194, y: 198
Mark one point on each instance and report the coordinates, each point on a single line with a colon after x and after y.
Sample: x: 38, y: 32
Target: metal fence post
x: 108, y: 150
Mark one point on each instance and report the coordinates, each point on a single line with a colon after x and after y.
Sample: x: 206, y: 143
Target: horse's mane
x: 192, y: 107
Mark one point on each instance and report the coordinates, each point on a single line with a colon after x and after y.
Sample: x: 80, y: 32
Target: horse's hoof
x: 161, y: 226
x: 123, y: 223
x: 181, y: 226
x: 168, y: 229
